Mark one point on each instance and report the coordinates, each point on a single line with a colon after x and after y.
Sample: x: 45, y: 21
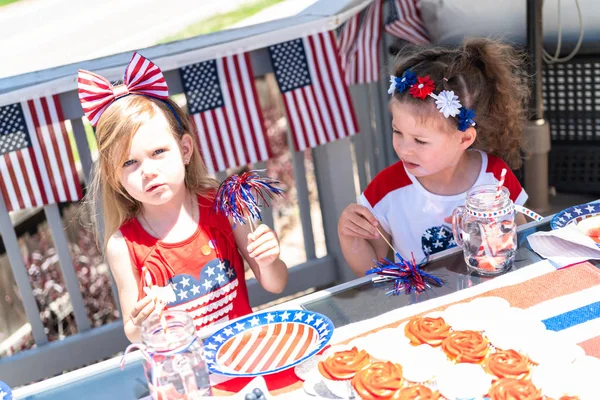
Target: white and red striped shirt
x: 415, y: 217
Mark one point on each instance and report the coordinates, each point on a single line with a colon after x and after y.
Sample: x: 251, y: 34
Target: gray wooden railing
x: 336, y: 164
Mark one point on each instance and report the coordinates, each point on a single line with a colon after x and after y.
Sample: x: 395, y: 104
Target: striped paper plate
x: 267, y: 342
x: 573, y: 215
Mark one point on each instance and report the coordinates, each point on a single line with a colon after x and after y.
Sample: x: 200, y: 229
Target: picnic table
x: 355, y: 308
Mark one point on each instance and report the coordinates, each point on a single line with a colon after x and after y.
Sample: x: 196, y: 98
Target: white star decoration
x: 318, y: 322
x: 298, y: 316
x: 221, y: 266
x: 211, y: 346
x: 285, y: 316
x: 240, y: 327
x: 229, y: 272
x: 578, y: 211
x: 310, y: 319
x: 210, y: 271
x: 207, y: 284
x: 590, y: 208
x: 185, y: 282
x: 427, y: 234
x: 254, y: 321
x: 228, y: 331
x: 568, y: 215
x: 219, y: 338
x: 195, y: 290
x: 182, y: 294
x: 3, y: 394
x: 220, y: 278
x: 437, y: 244
x: 270, y: 317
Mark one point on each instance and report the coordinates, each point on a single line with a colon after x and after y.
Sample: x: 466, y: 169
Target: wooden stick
x: 387, y: 241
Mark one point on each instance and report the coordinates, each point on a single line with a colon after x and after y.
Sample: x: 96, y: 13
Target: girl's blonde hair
x: 114, y: 133
x: 487, y: 76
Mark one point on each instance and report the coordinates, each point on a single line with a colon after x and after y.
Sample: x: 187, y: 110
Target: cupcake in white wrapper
x: 555, y: 380
x: 422, y: 363
x: 585, y: 371
x: 551, y: 348
x: 464, y: 381
x: 426, y: 330
x: 475, y: 315
x: 338, y: 368
x: 513, y: 330
x: 378, y: 381
x: 384, y: 344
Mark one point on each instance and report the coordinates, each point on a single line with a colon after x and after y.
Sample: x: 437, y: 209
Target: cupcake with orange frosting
x: 511, y: 389
x: 339, y: 368
x: 417, y: 392
x: 378, y: 381
x: 508, y: 364
x: 466, y: 347
x: 426, y: 330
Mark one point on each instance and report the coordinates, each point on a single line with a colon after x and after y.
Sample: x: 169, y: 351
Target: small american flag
x: 36, y: 158
x: 315, y: 94
x: 359, y: 45
x: 223, y: 105
x: 405, y: 22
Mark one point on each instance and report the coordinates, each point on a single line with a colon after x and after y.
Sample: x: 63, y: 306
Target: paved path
x: 39, y: 34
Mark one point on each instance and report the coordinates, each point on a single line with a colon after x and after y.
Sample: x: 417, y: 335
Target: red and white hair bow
x: 96, y: 93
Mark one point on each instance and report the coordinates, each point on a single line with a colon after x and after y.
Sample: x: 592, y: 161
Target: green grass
x: 6, y: 2
x: 219, y: 22
x: 91, y: 139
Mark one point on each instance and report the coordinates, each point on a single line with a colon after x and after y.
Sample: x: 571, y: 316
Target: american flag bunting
x: 405, y: 22
x: 315, y: 95
x: 36, y: 159
x: 224, y: 108
x: 359, y: 40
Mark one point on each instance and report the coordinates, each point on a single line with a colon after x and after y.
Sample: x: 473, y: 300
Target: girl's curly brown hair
x: 488, y: 77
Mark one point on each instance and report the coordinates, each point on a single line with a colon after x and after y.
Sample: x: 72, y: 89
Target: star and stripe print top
x: 203, y: 275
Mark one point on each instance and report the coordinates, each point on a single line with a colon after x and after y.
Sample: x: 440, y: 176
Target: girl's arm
x: 360, y: 242
x: 261, y: 251
x: 133, y: 312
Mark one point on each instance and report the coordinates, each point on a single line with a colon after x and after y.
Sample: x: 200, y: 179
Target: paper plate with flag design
x: 267, y: 342
x: 575, y: 214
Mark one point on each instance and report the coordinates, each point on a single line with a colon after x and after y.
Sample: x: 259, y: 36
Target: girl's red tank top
x: 203, y: 275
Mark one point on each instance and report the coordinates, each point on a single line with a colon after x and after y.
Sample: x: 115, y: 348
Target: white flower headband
x: 446, y: 101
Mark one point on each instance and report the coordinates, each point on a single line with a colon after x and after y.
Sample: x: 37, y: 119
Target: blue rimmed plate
x: 573, y: 215
x: 267, y: 342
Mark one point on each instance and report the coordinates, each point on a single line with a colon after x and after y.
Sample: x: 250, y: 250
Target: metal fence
x: 342, y: 168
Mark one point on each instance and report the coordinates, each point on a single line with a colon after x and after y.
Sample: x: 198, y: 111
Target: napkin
x: 564, y: 246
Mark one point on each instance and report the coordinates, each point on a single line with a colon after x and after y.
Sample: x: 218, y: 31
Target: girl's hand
x: 263, y: 245
x: 357, y: 221
x: 143, y: 309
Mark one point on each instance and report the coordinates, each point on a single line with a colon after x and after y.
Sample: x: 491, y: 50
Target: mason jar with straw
x: 486, y: 229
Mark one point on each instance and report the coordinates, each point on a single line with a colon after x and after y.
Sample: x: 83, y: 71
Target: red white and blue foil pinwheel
x: 408, y: 276
x: 236, y: 196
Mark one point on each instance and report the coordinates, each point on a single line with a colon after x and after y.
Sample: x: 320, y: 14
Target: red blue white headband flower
x: 446, y: 101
